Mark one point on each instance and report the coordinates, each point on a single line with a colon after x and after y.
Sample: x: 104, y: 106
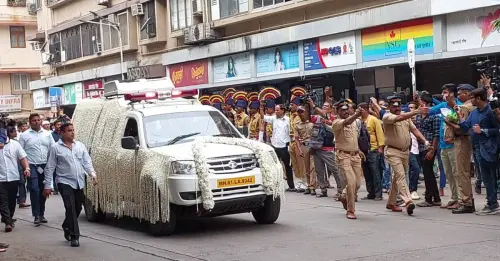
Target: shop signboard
x: 41, y: 99
x: 10, y: 103
x: 232, y: 67
x: 390, y: 41
x: 72, y: 93
x: 189, y: 74
x: 439, y: 7
x: 93, y: 89
x: 147, y: 72
x: 330, y: 51
x: 278, y: 59
x: 472, y: 29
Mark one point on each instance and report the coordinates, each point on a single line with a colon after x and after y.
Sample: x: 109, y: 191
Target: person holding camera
x: 484, y: 137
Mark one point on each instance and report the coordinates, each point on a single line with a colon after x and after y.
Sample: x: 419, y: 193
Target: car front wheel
x: 270, y: 212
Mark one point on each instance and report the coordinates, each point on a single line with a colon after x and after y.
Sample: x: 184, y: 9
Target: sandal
x: 2, y: 250
x: 425, y: 204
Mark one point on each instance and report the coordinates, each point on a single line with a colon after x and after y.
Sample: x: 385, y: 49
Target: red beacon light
x: 184, y: 93
x: 159, y: 95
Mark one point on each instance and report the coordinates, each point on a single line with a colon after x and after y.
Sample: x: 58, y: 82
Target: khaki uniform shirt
x: 346, y: 137
x: 294, y: 119
x: 303, y: 130
x: 397, y: 134
x: 240, y: 119
x: 254, y: 126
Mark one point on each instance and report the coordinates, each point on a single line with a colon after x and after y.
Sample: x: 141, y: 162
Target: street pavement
x: 309, y: 228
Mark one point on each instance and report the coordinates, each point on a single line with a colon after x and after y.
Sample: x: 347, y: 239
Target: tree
x: 496, y: 24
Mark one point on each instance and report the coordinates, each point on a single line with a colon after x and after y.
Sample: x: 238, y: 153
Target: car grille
x: 232, y: 164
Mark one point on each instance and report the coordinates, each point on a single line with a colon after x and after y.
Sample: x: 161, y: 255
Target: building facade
x: 19, y: 63
x: 357, y: 46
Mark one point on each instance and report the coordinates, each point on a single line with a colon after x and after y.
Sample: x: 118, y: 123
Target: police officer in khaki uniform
x: 240, y: 102
x: 254, y: 121
x: 348, y: 158
x: 295, y: 158
x: 397, y: 127
x: 228, y: 105
x: 463, y: 152
x: 302, y: 133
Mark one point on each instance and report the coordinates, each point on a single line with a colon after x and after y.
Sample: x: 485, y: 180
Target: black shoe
x: 478, y: 190
x: 14, y: 220
x: 307, y: 192
x: 378, y: 198
x: 67, y: 236
x: 301, y: 190
x: 291, y: 190
x: 463, y: 210
x: 3, y: 245
x: 43, y: 220
x: 37, y: 221
x: 313, y: 192
x: 75, y: 243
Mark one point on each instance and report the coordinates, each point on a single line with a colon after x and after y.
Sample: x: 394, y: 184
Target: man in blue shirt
x: 484, y: 137
x: 449, y: 92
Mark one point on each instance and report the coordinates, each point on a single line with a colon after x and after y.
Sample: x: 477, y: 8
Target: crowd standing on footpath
x: 389, y: 143
x: 42, y: 159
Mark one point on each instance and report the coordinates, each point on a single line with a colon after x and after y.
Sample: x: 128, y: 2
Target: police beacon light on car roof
x: 143, y: 90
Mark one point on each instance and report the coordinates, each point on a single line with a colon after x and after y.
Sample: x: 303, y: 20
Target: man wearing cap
x: 217, y: 101
x: 463, y: 151
x: 240, y: 98
x: 302, y: 133
x: 348, y: 159
x: 295, y: 158
x: 11, y: 153
x: 397, y: 127
x: 228, y: 105
x: 255, y: 124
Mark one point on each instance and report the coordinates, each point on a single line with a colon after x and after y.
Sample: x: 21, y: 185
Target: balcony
x: 16, y: 3
x: 56, y: 3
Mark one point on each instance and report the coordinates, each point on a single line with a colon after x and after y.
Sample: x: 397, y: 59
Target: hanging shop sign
x: 41, y: 99
x: 147, y: 72
x: 390, y: 41
x: 190, y: 73
x: 232, y: 67
x: 72, y: 93
x: 93, y: 89
x: 330, y: 51
x: 472, y: 29
x: 10, y: 103
x: 278, y: 59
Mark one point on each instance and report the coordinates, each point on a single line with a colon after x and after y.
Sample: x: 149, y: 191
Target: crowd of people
x: 41, y: 158
x: 389, y: 142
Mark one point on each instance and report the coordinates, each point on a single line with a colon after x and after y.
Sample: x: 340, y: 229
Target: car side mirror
x: 129, y: 143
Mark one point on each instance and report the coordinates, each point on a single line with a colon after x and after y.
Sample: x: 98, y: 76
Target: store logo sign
x: 347, y: 48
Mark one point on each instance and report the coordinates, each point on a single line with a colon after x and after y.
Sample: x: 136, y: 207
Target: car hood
x: 184, y: 151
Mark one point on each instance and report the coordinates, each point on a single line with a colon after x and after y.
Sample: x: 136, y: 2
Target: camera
x: 489, y: 68
x: 310, y: 94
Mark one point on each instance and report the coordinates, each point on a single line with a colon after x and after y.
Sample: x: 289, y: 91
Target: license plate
x: 226, y: 183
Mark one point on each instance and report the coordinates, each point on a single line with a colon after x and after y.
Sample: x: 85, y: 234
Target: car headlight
x: 183, y: 167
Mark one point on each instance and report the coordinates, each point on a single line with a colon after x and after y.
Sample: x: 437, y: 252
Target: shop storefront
x: 191, y: 74
x: 93, y: 89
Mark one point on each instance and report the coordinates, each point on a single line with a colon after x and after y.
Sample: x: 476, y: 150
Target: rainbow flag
x: 390, y: 41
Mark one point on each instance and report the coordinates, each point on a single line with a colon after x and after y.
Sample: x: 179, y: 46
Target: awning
x: 19, y: 70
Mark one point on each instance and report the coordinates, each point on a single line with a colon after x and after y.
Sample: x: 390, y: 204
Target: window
x: 20, y: 82
x: 147, y: 22
x: 55, y: 47
x: 181, y: 15
x: 110, y: 34
x: 17, y: 37
x: 91, y: 35
x: 264, y: 3
x: 38, y: 4
x: 132, y: 130
x: 229, y: 8
x: 71, y: 42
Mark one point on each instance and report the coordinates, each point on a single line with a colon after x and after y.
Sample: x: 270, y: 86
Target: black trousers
x: 431, y: 187
x: 73, y: 200
x: 284, y: 157
x: 8, y: 200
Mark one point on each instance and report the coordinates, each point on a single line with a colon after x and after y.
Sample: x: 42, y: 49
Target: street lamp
x: 115, y: 26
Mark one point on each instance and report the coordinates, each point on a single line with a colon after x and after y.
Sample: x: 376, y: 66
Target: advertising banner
x: 72, y: 93
x: 451, y: 6
x: 40, y: 99
x: 190, y: 73
x: 278, y: 59
x: 10, y: 103
x: 390, y: 41
x: 330, y: 51
x: 232, y: 67
x: 472, y: 29
x: 93, y: 89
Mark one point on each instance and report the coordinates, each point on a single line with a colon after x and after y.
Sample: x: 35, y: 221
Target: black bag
x: 363, y: 137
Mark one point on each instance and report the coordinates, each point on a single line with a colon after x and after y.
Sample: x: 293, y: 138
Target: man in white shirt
x: 280, y: 139
x: 36, y: 142
x: 10, y: 154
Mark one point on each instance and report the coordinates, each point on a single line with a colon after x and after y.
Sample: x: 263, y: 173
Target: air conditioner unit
x: 200, y: 33
x: 112, y: 18
x: 197, y: 7
x: 137, y: 9
x: 31, y: 8
x: 98, y: 48
x: 63, y: 56
x: 104, y: 2
x: 46, y: 58
x: 36, y: 46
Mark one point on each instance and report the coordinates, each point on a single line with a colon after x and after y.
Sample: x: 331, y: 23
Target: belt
x: 353, y: 153
x: 403, y: 150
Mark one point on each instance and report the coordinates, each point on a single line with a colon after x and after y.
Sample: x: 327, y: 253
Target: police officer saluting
x: 397, y: 127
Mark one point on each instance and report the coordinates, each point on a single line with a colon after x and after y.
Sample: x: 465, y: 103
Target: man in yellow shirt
x: 371, y: 167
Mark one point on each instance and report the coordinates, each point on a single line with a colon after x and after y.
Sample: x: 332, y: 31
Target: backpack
x: 363, y: 137
x: 317, y: 136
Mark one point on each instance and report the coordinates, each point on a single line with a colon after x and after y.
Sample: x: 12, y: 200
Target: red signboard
x: 93, y: 89
x: 190, y: 73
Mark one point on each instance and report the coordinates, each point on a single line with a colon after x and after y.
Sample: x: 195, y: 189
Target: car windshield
x: 170, y: 128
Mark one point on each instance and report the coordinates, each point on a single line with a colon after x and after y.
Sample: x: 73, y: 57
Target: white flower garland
x: 270, y: 166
